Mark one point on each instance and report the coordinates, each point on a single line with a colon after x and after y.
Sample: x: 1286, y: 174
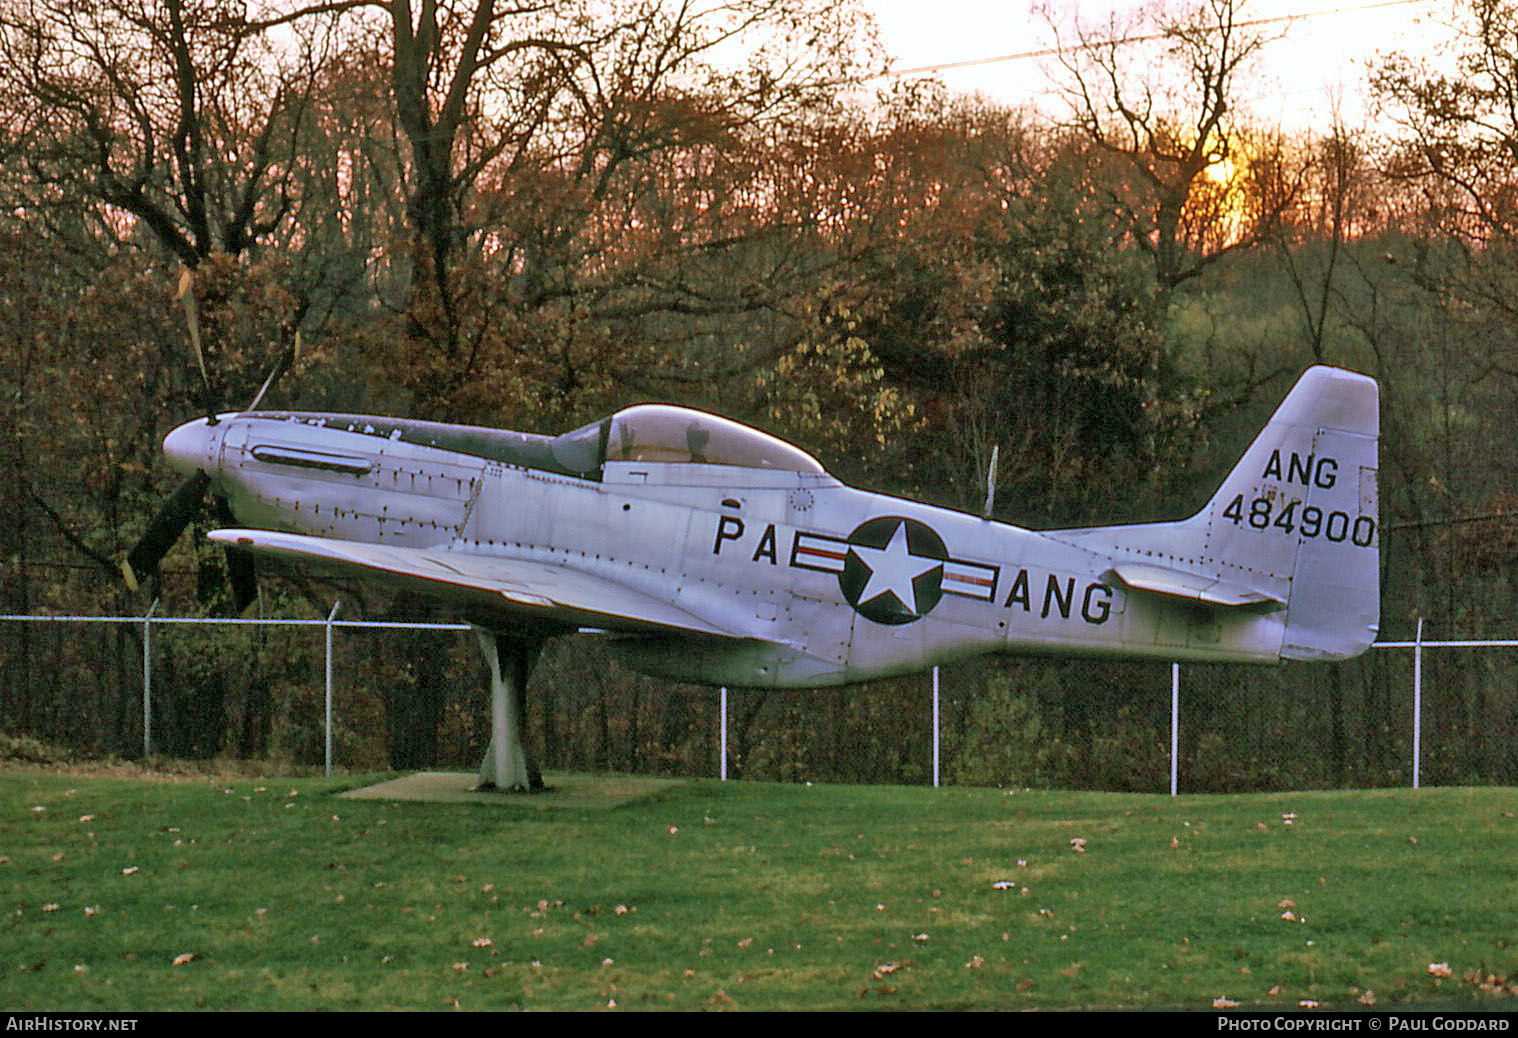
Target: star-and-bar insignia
x: 822, y: 553
x: 892, y: 569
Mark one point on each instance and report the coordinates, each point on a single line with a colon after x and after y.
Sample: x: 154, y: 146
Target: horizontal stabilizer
x: 1194, y: 587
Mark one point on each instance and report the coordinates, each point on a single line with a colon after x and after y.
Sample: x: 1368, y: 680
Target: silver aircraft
x: 706, y: 551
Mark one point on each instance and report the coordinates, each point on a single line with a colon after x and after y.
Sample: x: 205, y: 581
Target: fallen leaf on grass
x: 184, y: 959
x: 1489, y: 982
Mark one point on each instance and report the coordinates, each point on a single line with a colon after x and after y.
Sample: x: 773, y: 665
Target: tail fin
x: 1294, y: 524
x: 1301, y: 504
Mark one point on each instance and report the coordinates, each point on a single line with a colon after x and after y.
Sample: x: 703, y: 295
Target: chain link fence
x: 367, y: 695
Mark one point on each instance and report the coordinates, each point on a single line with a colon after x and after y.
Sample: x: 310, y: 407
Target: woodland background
x: 528, y: 214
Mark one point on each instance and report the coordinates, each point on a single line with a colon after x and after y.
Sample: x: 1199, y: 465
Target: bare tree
x: 175, y: 128
x: 568, y: 112
x: 1336, y: 207
x: 179, y: 116
x: 1157, y: 97
x: 1462, y: 127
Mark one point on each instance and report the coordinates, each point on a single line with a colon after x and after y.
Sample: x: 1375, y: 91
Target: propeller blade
x: 177, y: 512
x: 242, y: 573
x: 242, y: 576
x: 185, y: 293
x: 291, y: 354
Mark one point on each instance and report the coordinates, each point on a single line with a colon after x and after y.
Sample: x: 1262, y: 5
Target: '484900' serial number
x: 1307, y: 520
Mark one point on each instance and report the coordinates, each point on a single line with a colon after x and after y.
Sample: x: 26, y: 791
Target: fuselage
x: 819, y: 583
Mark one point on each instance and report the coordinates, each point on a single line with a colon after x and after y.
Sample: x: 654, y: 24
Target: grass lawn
x: 150, y: 893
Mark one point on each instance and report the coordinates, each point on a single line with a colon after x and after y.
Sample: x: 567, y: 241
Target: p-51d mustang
x: 710, y: 552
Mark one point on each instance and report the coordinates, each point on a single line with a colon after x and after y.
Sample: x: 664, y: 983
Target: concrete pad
x: 565, y: 790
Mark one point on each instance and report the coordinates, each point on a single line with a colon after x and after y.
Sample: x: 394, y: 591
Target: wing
x: 521, y: 588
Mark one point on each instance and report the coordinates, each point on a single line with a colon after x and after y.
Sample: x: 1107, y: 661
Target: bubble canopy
x: 677, y: 435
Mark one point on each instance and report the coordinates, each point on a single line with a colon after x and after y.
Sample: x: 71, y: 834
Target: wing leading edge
x: 533, y: 590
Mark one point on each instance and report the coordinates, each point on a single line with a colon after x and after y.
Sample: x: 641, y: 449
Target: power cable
x: 1049, y: 52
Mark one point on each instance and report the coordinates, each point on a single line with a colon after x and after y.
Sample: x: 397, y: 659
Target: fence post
x: 1175, y: 722
x: 330, y: 617
x: 1417, y: 699
x: 147, y: 680
x: 722, y: 736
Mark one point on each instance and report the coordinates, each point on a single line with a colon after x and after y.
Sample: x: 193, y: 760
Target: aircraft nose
x: 191, y: 448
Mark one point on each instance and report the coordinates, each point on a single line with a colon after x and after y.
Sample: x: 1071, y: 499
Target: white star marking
x: 893, y: 568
